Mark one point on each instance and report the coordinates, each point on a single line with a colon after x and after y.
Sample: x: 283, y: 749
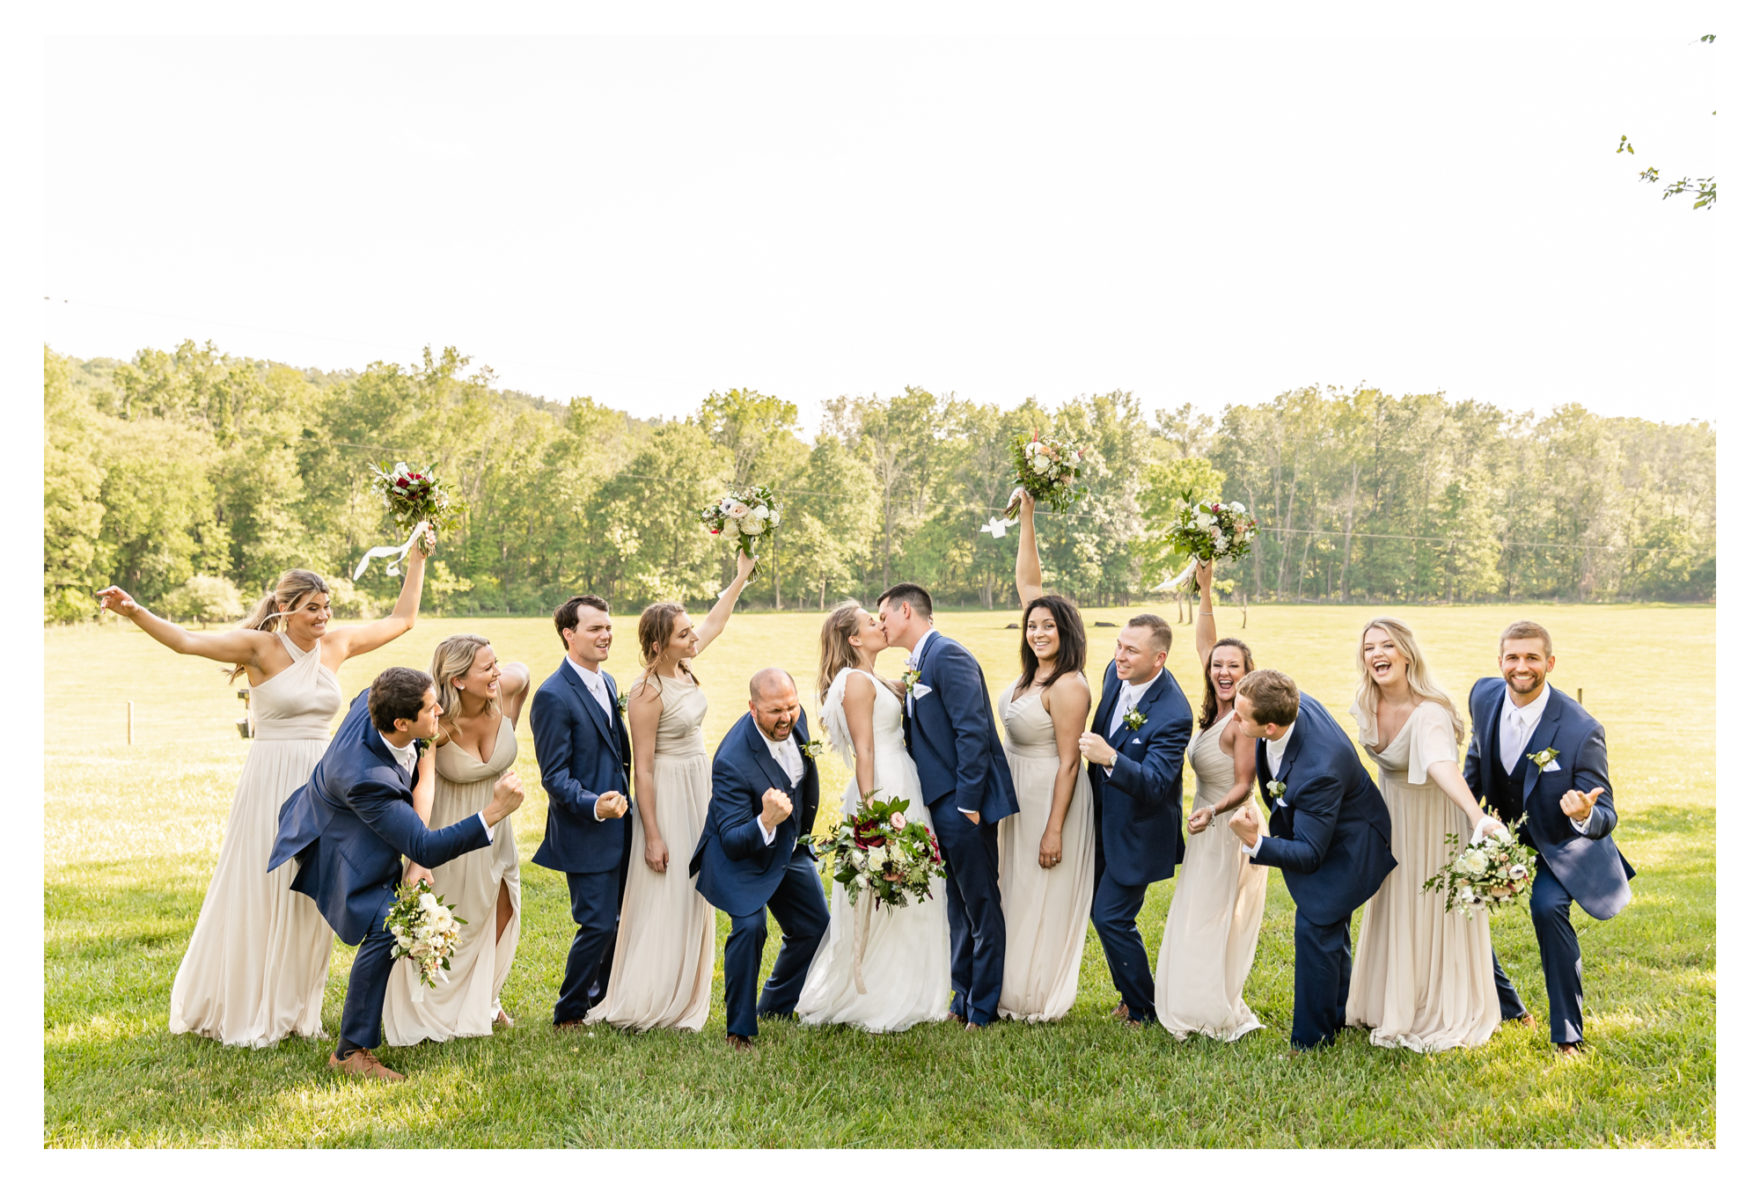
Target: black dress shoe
x: 740, y: 1042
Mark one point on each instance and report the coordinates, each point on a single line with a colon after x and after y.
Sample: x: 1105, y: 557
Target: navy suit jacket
x: 353, y: 822
x: 953, y: 737
x: 1588, y: 865
x: 581, y: 754
x: 1137, y: 807
x: 1330, y: 834
x: 736, y: 870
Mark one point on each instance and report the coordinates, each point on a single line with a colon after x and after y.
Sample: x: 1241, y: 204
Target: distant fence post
x: 1579, y: 695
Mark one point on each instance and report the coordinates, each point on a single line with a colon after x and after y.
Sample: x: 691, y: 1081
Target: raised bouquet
x: 747, y: 517
x: 1048, y: 469
x: 1487, y: 875
x: 879, y: 854
x: 413, y: 496
x: 1208, y: 532
x: 425, y: 929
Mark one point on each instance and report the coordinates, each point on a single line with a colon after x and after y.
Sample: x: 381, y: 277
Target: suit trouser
x: 1323, y: 980
x: 1114, y: 913
x: 365, y: 1004
x: 976, y: 934
x: 799, y: 906
x: 1561, y: 959
x: 593, y: 900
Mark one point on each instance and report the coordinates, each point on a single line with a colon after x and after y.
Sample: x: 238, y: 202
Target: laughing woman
x: 662, y: 972
x: 1046, y: 852
x: 256, y: 964
x: 1213, y: 921
x: 480, y: 702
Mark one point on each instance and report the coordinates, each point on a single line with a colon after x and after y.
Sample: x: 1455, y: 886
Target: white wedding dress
x: 905, y: 961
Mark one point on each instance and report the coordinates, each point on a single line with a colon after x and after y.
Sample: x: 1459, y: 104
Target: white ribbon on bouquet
x: 1184, y: 578
x: 398, y: 551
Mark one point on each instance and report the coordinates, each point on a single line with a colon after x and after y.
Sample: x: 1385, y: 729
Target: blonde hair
x: 835, y: 651
x: 1418, y: 678
x: 289, y: 594
x: 455, y: 656
x: 653, y: 633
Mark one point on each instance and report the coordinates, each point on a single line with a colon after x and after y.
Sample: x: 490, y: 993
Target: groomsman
x: 1328, y: 832
x: 1536, y: 752
x: 1136, y: 757
x: 351, y: 825
x: 750, y: 857
x: 583, y: 756
x: 966, y: 786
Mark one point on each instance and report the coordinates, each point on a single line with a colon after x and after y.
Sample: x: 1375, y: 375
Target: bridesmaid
x: 1045, y: 852
x: 257, y: 961
x: 665, y: 963
x: 480, y: 702
x: 1423, y: 976
x: 1213, y: 922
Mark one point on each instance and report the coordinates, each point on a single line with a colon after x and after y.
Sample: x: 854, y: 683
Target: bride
x: 905, y: 955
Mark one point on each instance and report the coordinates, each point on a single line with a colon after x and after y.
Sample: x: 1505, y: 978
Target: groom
x: 352, y: 823
x: 966, y: 786
x: 1518, y: 720
x: 1329, y: 833
x: 765, y: 797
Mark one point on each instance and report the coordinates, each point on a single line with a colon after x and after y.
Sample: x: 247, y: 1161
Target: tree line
x: 193, y: 478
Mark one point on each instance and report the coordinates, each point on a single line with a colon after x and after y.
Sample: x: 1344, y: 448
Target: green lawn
x: 131, y: 835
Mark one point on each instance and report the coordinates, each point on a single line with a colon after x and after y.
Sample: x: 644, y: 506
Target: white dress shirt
x: 1274, y: 750
x: 406, y: 757
x: 595, y: 681
x: 1516, y: 726
x: 1128, y: 695
x: 788, y: 755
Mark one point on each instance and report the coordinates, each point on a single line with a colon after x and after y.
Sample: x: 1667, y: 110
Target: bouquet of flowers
x: 1486, y: 875
x: 747, y: 517
x: 878, y: 852
x: 413, y: 497
x: 1208, y: 532
x: 425, y: 929
x: 1047, y: 470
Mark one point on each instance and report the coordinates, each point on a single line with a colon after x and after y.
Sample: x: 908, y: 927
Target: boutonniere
x: 814, y: 748
x: 421, y: 744
x: 1134, y: 719
x: 1543, y: 758
x: 911, y: 678
x: 1276, y: 790
x: 623, y: 701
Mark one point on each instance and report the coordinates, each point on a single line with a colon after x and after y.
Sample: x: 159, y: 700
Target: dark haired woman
x: 1046, y: 852
x: 662, y: 971
x: 256, y: 964
x: 1213, y: 922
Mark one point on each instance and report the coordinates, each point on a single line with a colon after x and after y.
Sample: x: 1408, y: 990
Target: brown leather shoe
x: 568, y: 1024
x: 1122, y: 1012
x: 1526, y: 1019
x: 951, y: 1017
x: 1569, y: 1049
x: 740, y: 1042
x: 501, y: 1019
x: 362, y: 1062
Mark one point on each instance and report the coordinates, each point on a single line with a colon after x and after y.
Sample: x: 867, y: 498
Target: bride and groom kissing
x: 932, y: 743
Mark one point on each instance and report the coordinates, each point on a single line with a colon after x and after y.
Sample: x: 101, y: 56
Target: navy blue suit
x: 960, y: 764
x: 350, y: 826
x: 1140, y: 837
x: 1587, y: 868
x: 741, y: 874
x: 582, y: 753
x: 1329, y: 834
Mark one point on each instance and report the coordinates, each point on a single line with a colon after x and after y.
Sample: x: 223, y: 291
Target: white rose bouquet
x: 1208, y: 532
x: 425, y: 929
x: 1486, y: 875
x: 413, y: 496
x: 879, y: 853
x: 747, y: 517
x: 1048, y: 469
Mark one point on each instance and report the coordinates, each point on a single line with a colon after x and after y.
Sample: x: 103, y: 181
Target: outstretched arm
x: 723, y: 608
x: 394, y: 820
x: 1029, y: 579
x: 345, y: 642
x: 225, y: 646
x: 1204, y: 629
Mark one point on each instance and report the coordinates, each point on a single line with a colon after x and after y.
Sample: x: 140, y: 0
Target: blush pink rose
x: 898, y: 821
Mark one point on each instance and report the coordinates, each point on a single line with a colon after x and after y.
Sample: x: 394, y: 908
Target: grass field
x: 131, y: 834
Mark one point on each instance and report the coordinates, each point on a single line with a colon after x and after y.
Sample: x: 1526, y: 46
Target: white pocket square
x: 1138, y: 740
x: 1283, y: 803
x: 918, y: 691
x: 1552, y: 767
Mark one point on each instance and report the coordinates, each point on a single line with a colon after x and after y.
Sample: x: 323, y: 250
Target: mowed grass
x: 131, y: 835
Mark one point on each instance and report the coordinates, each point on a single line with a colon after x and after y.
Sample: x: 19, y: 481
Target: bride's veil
x: 832, y: 719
